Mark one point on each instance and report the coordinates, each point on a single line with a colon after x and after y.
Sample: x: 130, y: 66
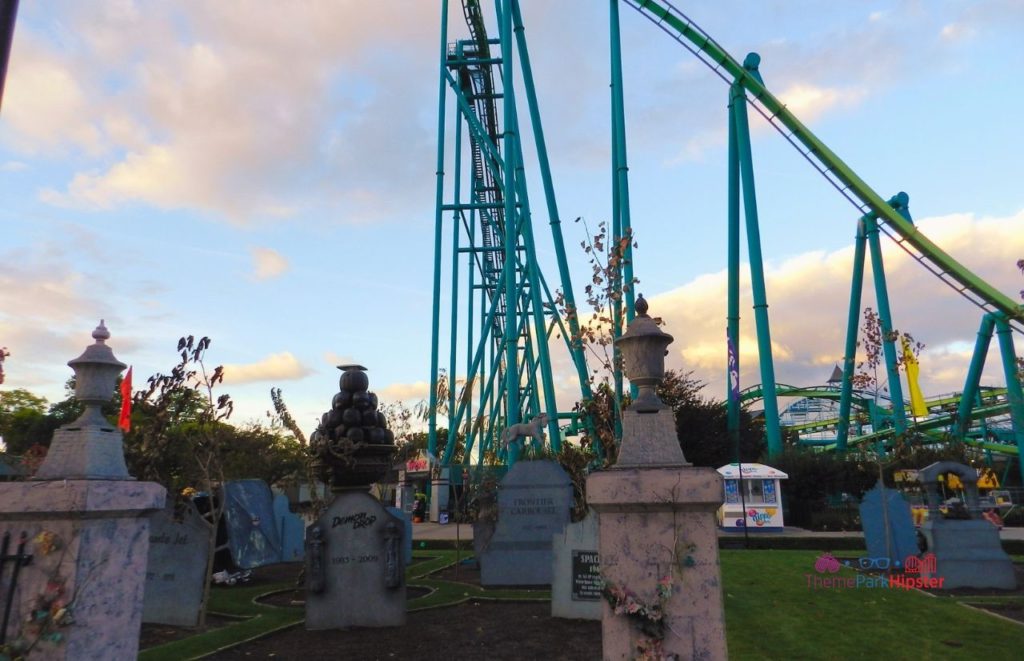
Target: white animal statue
x: 534, y: 429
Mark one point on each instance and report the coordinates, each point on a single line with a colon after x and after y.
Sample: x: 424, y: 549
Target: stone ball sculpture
x: 352, y: 447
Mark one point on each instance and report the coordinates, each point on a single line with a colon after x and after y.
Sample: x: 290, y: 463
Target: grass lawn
x: 770, y: 614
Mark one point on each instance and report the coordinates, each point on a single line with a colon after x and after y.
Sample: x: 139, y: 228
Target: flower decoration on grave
x: 46, y: 542
x: 352, y: 447
x: 649, y: 617
x: 51, y: 608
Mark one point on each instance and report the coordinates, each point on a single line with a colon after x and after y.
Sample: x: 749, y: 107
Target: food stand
x: 761, y: 498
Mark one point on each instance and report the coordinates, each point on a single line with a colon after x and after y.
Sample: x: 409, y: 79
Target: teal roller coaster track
x: 510, y: 315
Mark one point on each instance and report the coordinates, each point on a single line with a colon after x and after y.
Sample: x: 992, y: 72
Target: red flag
x: 125, y: 421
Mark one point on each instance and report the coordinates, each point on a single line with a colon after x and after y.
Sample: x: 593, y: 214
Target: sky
x: 264, y: 174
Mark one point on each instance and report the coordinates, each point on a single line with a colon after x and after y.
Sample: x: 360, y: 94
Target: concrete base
x: 649, y: 439
x: 93, y: 453
x: 89, y: 541
x: 968, y: 554
x: 656, y: 523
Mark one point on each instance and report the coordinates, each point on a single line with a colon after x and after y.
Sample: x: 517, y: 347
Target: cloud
x: 809, y: 102
x: 808, y: 297
x: 404, y: 392
x: 268, y: 263
x: 13, y: 166
x: 45, y: 103
x: 335, y: 359
x: 275, y: 367
x: 956, y: 32
x: 224, y: 107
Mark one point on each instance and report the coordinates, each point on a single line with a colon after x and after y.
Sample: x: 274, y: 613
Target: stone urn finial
x: 90, y: 447
x: 96, y: 372
x: 643, y: 348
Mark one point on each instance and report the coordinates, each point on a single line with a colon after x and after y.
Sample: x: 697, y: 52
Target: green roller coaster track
x: 508, y: 370
x: 891, y: 216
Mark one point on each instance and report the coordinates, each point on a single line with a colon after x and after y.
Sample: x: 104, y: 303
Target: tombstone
x: 534, y: 502
x: 968, y: 552
x: 290, y: 529
x: 249, y: 519
x: 176, y: 568
x: 407, y: 529
x: 898, y: 542
x: 354, y: 571
x: 576, y: 573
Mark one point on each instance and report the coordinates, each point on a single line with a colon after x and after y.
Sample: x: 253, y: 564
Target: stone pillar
x: 80, y: 596
x: 657, y: 536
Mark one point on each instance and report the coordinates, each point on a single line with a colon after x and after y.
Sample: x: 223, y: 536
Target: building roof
x: 753, y: 471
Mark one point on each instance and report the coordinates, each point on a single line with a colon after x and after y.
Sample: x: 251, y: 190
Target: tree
x: 602, y: 413
x: 702, y: 423
x: 182, y: 405
x: 874, y: 338
x: 22, y: 419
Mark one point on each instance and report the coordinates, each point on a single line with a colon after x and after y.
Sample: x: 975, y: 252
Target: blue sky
x: 264, y: 174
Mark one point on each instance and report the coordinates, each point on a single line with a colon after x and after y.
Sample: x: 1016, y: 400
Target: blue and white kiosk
x: 761, y: 498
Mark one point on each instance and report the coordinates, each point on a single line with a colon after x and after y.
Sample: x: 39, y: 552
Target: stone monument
x: 355, y: 573
x: 534, y: 503
x: 82, y: 529
x: 968, y: 552
x: 657, y: 533
x: 179, y: 541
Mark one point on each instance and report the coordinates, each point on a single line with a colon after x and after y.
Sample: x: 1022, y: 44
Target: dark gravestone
x: 250, y: 522
x: 176, y: 568
x: 902, y: 540
x: 290, y: 529
x: 968, y: 552
x: 355, y: 575
x: 534, y: 501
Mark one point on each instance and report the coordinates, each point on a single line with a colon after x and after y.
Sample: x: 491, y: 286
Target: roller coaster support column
x: 732, y: 321
x: 885, y: 319
x: 454, y: 332
x: 511, y: 297
x: 438, y: 224
x: 1013, y: 388
x: 969, y: 396
x: 620, y: 198
x: 850, y: 355
x: 575, y: 340
x: 738, y: 114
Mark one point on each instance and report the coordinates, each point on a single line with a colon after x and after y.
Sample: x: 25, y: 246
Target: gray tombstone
x: 900, y: 541
x: 249, y: 519
x: 176, y: 569
x: 534, y: 502
x: 968, y: 552
x: 406, y: 518
x: 354, y: 571
x: 576, y: 573
x: 290, y: 530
